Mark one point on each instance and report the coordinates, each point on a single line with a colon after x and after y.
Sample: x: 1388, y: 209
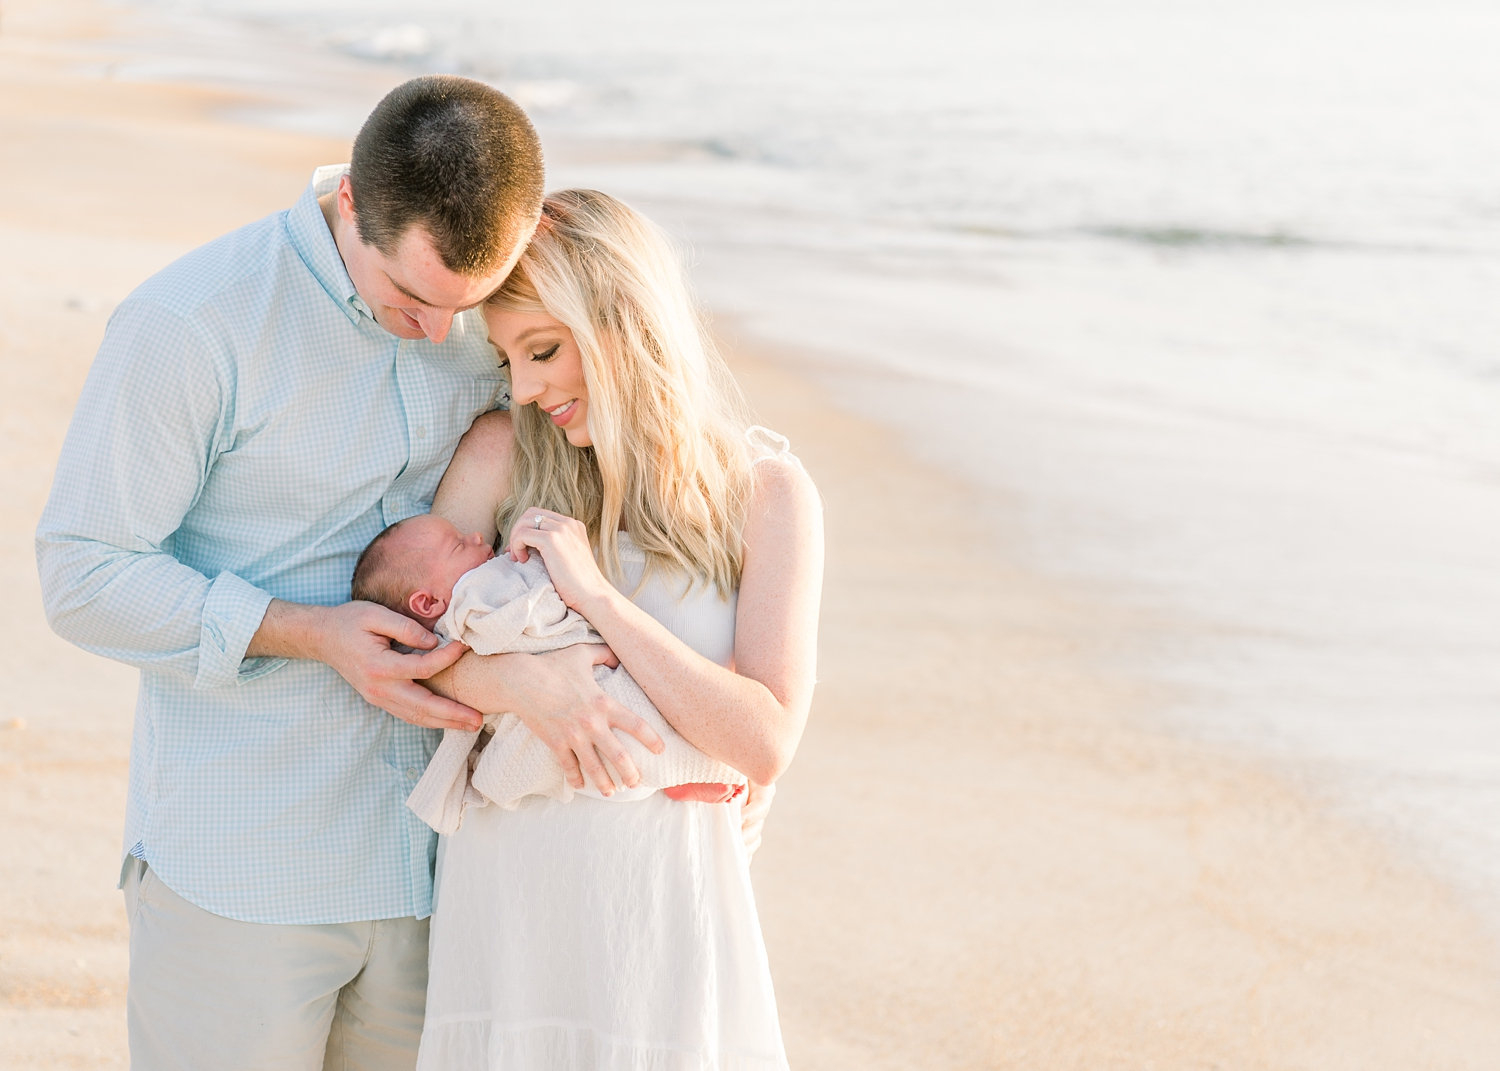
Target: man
x: 257, y: 412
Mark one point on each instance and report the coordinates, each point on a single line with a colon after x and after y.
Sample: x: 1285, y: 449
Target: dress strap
x: 766, y: 444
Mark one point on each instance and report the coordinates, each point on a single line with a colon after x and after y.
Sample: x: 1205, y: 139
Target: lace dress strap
x: 766, y: 444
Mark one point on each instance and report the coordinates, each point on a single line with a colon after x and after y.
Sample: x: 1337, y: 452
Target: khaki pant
x: 208, y: 992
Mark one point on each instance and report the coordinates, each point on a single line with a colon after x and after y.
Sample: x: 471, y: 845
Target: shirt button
x: 421, y: 432
x: 413, y: 773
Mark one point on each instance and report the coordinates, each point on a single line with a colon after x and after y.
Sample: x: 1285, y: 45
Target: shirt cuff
x: 232, y: 613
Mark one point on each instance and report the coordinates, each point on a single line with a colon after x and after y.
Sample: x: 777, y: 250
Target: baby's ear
x: 426, y: 604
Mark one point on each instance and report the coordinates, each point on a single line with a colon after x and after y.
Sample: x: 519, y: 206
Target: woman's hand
x: 563, y: 543
x: 557, y: 698
x: 751, y: 715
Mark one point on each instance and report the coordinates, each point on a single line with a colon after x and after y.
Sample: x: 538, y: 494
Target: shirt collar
x: 314, y: 243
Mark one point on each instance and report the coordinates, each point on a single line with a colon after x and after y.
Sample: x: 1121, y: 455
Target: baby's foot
x: 704, y: 792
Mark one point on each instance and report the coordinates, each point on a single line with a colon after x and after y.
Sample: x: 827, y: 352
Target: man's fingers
x: 405, y: 631
x: 446, y: 714
x: 415, y: 704
x: 435, y: 721
x: 432, y: 663
x: 753, y: 815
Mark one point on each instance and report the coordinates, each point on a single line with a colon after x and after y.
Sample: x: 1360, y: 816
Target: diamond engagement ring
x: 536, y: 522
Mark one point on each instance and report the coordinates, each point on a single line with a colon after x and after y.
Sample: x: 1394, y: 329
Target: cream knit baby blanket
x: 505, y: 606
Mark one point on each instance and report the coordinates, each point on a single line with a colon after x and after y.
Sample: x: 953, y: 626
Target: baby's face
x: 442, y: 553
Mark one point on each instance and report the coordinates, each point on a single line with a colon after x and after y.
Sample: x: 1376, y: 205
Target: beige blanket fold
x: 502, y: 607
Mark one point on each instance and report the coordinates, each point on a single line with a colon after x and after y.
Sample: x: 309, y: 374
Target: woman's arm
x: 554, y: 694
x: 751, y: 716
x: 478, y: 477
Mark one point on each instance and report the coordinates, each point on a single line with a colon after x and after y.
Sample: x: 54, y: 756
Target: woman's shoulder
x: 780, y: 480
x: 492, y: 430
x: 488, y: 443
x: 478, y: 477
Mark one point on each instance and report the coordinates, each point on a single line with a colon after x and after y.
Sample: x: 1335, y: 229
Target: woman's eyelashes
x: 545, y: 355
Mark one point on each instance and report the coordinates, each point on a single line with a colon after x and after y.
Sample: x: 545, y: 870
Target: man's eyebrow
x: 424, y: 301
x: 408, y: 293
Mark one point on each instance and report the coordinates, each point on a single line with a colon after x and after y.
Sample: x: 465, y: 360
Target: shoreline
x: 990, y: 852
x: 1120, y: 894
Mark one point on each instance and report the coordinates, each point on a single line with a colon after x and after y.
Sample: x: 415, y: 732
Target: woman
x: 621, y: 933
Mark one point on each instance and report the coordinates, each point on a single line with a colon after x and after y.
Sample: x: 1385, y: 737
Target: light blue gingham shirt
x: 245, y: 430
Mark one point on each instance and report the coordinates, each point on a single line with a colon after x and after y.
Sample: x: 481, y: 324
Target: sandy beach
x: 989, y: 853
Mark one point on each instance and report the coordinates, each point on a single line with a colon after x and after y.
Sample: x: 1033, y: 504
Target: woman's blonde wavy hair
x: 670, y: 463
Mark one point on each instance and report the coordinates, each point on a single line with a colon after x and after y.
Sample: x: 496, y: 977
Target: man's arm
x: 154, y: 416
x: 753, y: 816
x: 143, y: 437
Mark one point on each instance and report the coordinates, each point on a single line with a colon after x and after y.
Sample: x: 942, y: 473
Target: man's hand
x: 355, y: 639
x: 556, y: 697
x: 753, y: 817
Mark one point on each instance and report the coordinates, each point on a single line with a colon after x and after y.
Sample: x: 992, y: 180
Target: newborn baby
x: 453, y: 584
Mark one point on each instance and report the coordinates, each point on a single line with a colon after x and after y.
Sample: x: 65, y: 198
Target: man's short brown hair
x: 455, y: 156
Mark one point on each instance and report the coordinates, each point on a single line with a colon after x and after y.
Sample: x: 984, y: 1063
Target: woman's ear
x: 425, y: 604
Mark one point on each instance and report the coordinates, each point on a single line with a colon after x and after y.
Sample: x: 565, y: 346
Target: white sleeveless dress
x: 604, y: 934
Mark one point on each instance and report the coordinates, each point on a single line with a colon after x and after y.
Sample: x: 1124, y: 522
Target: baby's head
x: 411, y: 567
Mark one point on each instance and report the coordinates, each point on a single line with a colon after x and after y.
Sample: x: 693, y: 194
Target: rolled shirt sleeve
x: 232, y: 613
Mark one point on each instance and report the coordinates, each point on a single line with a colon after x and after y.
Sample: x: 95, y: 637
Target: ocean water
x: 1211, y: 285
